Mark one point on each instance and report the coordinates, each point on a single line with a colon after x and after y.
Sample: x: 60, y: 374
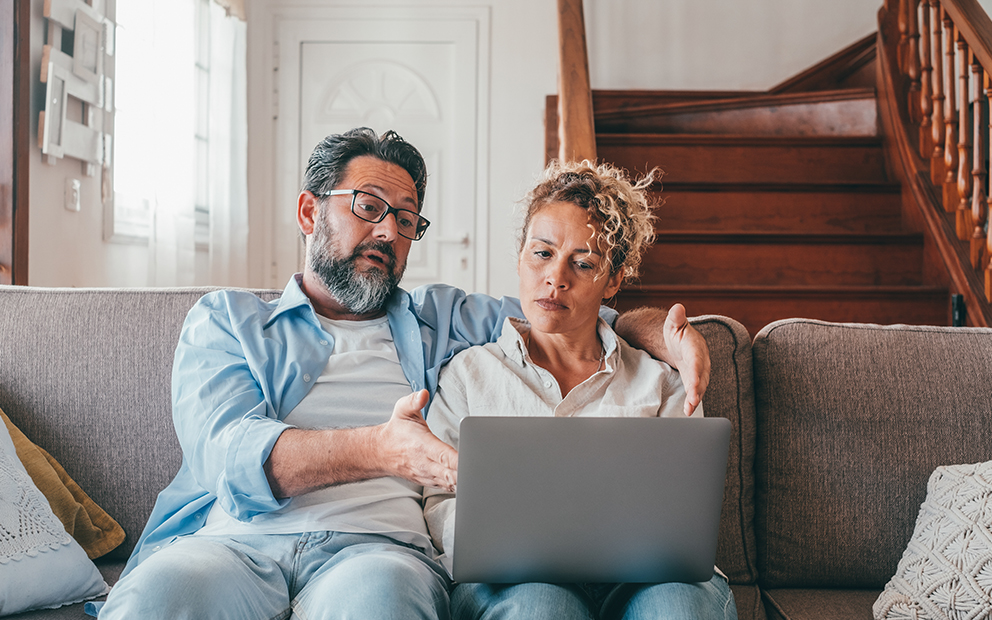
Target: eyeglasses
x: 371, y: 208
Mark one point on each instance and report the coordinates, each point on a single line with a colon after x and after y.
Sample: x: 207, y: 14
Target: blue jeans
x: 267, y: 577
x: 711, y: 600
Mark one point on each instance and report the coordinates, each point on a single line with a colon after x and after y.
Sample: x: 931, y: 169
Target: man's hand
x: 670, y: 338
x: 303, y: 460
x: 411, y: 451
x: 687, y: 349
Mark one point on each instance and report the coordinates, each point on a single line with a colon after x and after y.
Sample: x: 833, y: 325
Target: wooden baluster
x: 980, y: 209
x: 988, y: 269
x: 903, y: 22
x: 913, y: 59
x: 979, y: 200
x: 937, y: 157
x: 950, y: 193
x: 962, y: 217
x: 926, y: 87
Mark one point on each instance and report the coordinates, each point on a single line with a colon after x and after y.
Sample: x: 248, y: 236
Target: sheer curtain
x: 228, y: 167
x: 181, y: 138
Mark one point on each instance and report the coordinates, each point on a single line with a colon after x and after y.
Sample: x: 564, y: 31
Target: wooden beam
x: 576, y: 128
x: 6, y: 140
x: 15, y: 118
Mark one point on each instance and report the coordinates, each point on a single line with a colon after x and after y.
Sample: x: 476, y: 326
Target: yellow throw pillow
x: 95, y: 531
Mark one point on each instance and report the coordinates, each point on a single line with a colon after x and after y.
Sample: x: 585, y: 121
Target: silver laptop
x: 606, y: 500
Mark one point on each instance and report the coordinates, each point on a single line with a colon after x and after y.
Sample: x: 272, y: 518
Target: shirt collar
x: 293, y: 297
x: 511, y: 340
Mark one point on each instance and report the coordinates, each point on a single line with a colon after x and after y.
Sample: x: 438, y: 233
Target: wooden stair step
x: 747, y: 159
x: 848, y: 112
x: 743, y: 257
x: 798, y: 208
x: 611, y: 101
x: 756, y: 306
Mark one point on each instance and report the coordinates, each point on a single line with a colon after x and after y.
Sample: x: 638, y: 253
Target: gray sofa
x: 836, y: 431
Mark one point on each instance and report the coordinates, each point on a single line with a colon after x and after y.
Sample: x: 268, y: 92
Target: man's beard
x: 360, y: 292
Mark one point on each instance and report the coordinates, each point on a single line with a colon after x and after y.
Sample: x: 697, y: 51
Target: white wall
x: 651, y: 44
x: 717, y: 44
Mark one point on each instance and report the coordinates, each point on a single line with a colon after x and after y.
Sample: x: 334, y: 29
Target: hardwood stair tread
x: 847, y: 112
x: 867, y: 187
x: 737, y: 290
x: 726, y: 139
x: 751, y: 237
x: 737, y: 103
x: 746, y: 159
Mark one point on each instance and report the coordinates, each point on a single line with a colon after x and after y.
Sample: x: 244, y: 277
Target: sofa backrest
x: 86, y: 374
x: 731, y: 395
x: 852, y: 420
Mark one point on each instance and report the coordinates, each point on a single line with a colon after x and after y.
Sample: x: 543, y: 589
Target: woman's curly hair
x: 617, y: 208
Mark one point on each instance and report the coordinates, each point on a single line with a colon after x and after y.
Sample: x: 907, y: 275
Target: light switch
x: 72, y: 192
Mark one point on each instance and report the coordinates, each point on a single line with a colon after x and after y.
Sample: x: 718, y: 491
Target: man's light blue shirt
x: 242, y: 364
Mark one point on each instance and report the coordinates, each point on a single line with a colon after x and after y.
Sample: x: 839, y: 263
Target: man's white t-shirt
x: 358, y: 387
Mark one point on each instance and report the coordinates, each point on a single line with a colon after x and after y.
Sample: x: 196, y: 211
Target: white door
x: 419, y: 78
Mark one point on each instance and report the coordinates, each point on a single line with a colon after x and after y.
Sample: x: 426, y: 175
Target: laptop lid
x: 605, y: 500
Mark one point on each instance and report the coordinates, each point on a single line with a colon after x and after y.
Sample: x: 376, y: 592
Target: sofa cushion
x: 730, y: 395
x: 796, y: 604
x: 852, y: 419
x: 104, y: 408
x: 946, y: 570
x: 95, y: 531
x: 747, y: 599
x: 41, y: 565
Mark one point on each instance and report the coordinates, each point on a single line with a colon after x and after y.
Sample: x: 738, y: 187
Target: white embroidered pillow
x: 41, y: 565
x: 946, y: 570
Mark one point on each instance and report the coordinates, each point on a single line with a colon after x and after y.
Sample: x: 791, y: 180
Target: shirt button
x: 157, y: 547
x: 197, y: 516
x: 323, y: 342
x: 306, y: 378
x: 547, y: 384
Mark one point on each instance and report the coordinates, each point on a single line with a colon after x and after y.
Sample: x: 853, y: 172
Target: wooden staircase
x: 774, y: 204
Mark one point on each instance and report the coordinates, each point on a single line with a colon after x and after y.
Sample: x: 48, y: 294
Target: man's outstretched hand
x: 669, y: 337
x: 689, y: 353
x: 411, y: 451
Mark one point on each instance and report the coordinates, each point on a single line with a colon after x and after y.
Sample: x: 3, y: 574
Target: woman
x: 585, y: 230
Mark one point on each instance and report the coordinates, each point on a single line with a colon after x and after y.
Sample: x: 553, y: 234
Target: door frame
x: 15, y: 131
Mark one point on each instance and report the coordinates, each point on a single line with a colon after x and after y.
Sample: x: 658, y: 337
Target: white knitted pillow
x: 41, y: 566
x: 946, y: 571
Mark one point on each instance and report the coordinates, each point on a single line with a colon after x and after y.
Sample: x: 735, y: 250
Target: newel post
x: 576, y: 126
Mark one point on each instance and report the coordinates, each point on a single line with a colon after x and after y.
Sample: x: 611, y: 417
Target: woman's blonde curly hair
x: 622, y: 218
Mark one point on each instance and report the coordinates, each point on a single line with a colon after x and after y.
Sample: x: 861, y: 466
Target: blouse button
x: 306, y: 378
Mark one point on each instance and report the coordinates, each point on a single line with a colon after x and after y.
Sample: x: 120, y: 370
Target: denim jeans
x: 264, y: 577
x: 711, y: 600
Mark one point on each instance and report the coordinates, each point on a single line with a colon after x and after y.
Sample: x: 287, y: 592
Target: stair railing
x: 944, y: 54
x: 576, y: 126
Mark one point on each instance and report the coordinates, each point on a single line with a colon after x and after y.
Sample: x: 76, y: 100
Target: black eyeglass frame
x: 422, y: 224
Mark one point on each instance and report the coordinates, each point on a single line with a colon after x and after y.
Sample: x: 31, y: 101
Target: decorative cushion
x: 946, y: 571
x: 41, y: 566
x: 90, y: 525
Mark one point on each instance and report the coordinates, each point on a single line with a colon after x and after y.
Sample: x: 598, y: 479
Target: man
x: 299, y: 494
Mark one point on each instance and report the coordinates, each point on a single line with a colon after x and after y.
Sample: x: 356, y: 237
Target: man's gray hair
x: 331, y: 157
